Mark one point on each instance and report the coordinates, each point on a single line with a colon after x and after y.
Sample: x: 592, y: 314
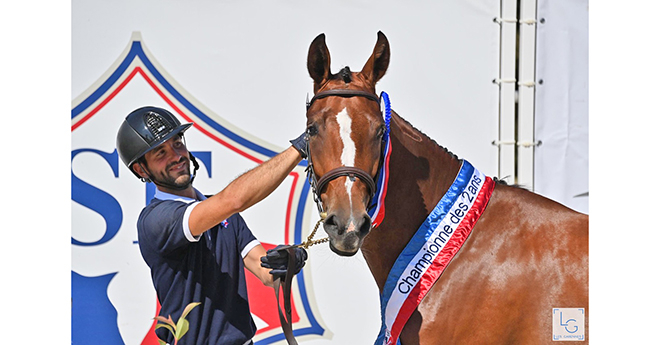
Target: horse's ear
x: 376, y: 66
x: 318, y: 61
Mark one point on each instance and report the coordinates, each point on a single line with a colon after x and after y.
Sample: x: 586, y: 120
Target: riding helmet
x: 143, y: 130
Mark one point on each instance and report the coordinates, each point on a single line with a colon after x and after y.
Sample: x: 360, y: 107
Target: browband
x: 344, y: 93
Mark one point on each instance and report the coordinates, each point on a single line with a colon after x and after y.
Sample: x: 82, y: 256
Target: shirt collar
x: 167, y: 196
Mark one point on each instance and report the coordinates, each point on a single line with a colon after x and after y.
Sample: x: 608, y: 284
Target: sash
x: 431, y: 249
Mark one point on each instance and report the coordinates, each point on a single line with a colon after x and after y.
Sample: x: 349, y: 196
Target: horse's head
x: 345, y: 128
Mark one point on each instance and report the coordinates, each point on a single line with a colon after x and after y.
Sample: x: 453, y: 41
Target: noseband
x: 350, y: 172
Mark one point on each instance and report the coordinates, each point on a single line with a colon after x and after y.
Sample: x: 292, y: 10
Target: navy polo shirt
x: 207, y: 269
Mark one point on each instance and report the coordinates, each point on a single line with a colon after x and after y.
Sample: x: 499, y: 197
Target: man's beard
x: 180, y: 181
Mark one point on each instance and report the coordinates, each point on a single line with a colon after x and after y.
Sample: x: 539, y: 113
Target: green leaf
x: 183, y: 325
x: 181, y: 328
x: 167, y: 321
x: 169, y: 328
x: 189, y: 307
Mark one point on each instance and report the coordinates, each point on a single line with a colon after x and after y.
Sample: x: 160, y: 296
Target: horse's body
x: 525, y: 256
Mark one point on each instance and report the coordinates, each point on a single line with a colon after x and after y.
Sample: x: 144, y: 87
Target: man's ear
x: 137, y: 167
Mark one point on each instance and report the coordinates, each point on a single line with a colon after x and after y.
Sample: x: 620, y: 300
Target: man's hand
x: 277, y: 259
x: 300, y: 144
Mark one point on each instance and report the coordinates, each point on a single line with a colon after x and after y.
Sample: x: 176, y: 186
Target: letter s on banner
x: 97, y: 200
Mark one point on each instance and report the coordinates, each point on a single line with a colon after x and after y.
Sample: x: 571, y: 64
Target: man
x: 197, y: 247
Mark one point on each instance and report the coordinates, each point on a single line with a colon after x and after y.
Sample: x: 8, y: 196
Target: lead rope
x: 285, y: 318
x: 311, y: 242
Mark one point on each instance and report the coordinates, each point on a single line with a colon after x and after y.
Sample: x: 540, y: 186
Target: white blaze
x: 348, y: 153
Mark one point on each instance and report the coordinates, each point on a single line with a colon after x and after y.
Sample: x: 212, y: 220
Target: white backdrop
x: 246, y: 62
x: 561, y: 165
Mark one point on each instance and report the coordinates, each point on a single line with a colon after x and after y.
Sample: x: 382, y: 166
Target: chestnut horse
x: 524, y: 256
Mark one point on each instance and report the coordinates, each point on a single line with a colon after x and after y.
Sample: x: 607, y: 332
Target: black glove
x: 277, y: 259
x: 300, y: 144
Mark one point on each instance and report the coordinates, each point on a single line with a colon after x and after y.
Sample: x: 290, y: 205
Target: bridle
x: 351, y: 172
x: 317, y: 186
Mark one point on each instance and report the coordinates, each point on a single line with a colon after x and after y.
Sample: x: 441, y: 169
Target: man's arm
x: 245, y: 191
x: 252, y: 262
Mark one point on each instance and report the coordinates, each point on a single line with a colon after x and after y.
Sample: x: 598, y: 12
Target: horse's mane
x: 495, y: 179
x: 429, y: 138
x: 515, y: 185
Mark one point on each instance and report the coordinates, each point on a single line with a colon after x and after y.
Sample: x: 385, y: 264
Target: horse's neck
x: 420, y: 173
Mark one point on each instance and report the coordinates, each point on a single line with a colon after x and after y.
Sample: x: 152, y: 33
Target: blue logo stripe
x: 224, y: 131
x: 107, y: 84
x: 136, y: 50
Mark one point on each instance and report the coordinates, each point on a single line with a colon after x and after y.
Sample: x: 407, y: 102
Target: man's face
x: 169, y: 162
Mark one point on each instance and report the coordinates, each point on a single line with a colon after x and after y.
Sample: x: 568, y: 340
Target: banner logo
x: 113, y: 299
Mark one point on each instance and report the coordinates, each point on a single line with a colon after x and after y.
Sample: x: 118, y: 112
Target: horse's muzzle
x: 346, y: 233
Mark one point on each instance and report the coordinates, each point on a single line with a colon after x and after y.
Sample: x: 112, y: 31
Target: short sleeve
x: 245, y: 240
x: 164, y: 226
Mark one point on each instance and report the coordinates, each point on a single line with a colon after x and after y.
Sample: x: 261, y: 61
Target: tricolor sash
x: 431, y: 249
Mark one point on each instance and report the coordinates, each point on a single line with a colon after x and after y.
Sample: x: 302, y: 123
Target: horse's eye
x: 312, y: 130
x: 381, y: 132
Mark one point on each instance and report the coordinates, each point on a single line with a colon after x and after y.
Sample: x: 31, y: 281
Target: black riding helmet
x: 143, y: 130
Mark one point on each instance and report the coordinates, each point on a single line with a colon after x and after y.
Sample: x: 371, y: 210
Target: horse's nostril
x: 365, y: 227
x: 331, y: 221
